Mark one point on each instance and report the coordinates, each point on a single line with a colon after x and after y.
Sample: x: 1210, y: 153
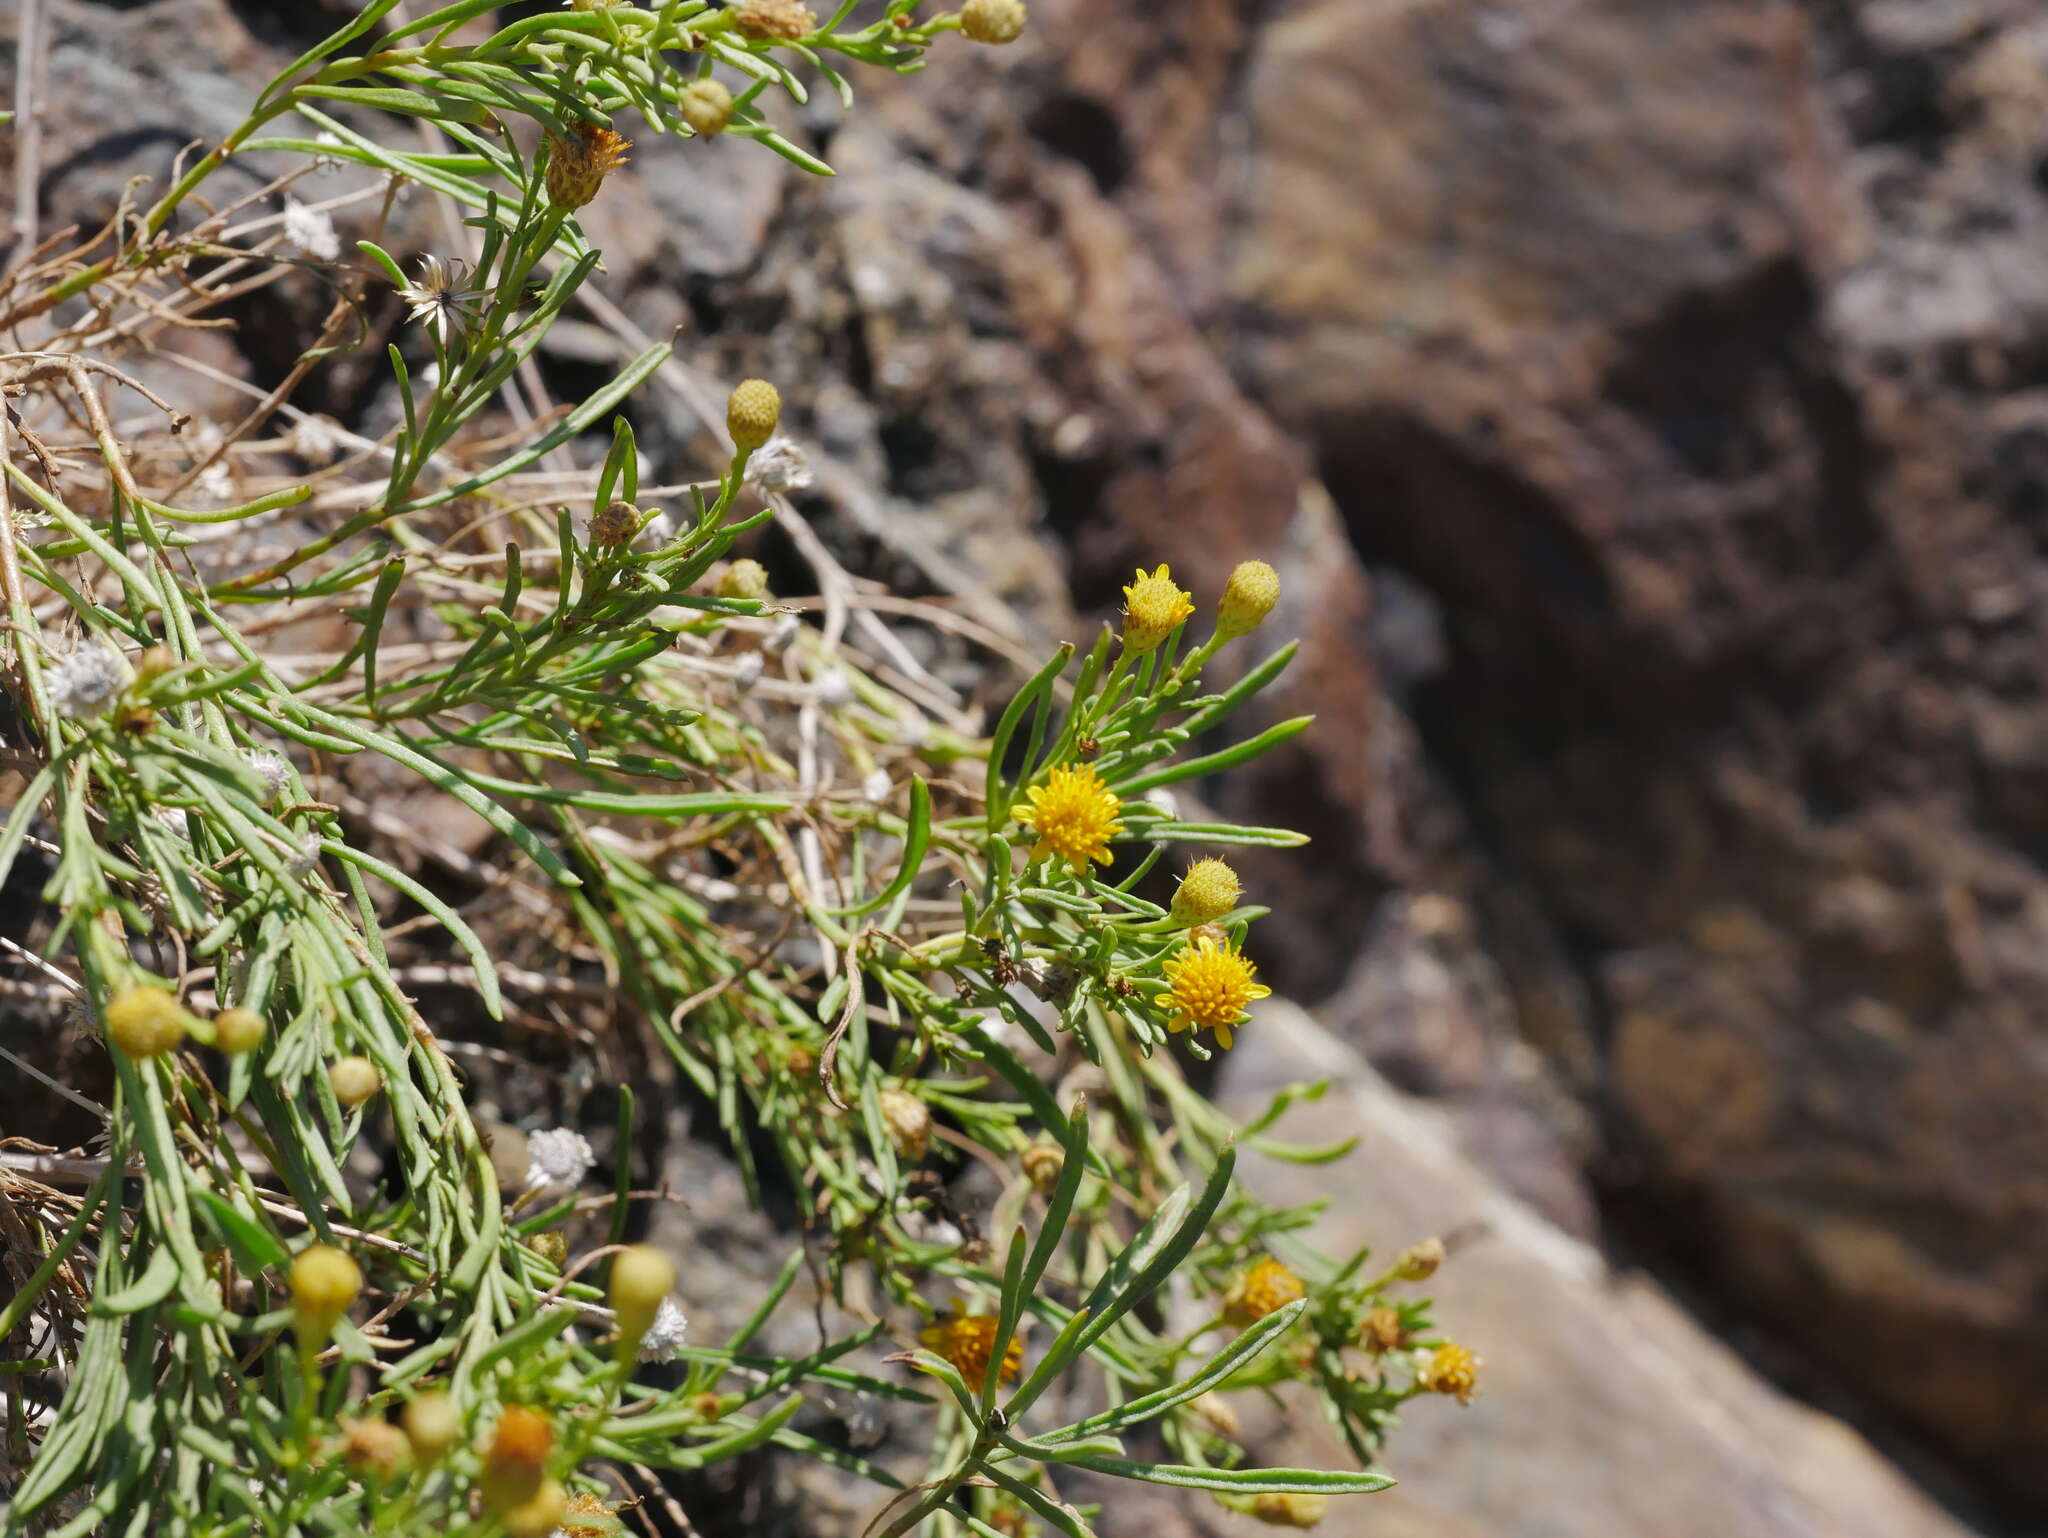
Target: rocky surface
x: 1644, y: 403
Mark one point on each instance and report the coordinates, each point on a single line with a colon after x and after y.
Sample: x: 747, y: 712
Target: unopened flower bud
x: 641, y: 1277
x: 145, y: 1022
x: 908, y: 1120
x: 324, y: 1281
x: 706, y: 106
x: 355, y: 1080
x: 614, y: 525
x: 539, y: 1515
x: 1381, y: 1331
x: 992, y: 21
x: 743, y: 579
x: 238, y: 1030
x: 1418, y: 1262
x: 1207, y: 892
x: 1042, y: 1163
x: 516, y: 1459
x: 773, y: 20
x: 433, y: 1424
x: 374, y: 1449
x: 752, y: 412
x: 1248, y: 597
x: 1290, y: 1508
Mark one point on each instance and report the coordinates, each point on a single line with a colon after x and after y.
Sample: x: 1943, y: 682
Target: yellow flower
x: 1451, y: 1369
x: 1248, y: 597
x: 1207, y: 892
x: 1210, y: 986
x: 1264, y: 1288
x: 1381, y: 1331
x: 579, y: 163
x: 752, y: 412
x: 968, y: 1340
x: 1074, y: 815
x: 1154, y: 607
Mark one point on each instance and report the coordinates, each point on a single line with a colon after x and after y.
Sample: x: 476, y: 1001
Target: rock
x: 1603, y: 1409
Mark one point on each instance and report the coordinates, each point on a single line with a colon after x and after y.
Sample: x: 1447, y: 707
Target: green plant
x: 826, y: 896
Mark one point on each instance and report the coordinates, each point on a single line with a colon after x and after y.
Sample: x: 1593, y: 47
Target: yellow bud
x: 707, y: 106
x: 752, y: 413
x: 641, y: 1277
x: 1207, y: 892
x: 516, y: 1458
x: 1264, y: 1288
x: 1289, y: 1508
x: 992, y: 21
x: 355, y: 1080
x: 1042, y: 1163
x: 1418, y: 1262
x: 146, y: 1021
x: 1248, y: 597
x: 433, y: 1424
x: 743, y: 579
x: 238, y: 1030
x: 324, y: 1282
x: 539, y: 1514
x: 909, y: 1121
x: 1451, y: 1369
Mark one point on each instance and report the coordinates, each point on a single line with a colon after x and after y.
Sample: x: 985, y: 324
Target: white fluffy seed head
x: 665, y: 1335
x: 311, y: 230
x: 84, y: 684
x: 560, y: 1156
x: 780, y: 466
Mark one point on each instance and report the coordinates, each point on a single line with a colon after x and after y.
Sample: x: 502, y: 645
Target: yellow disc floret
x: 1262, y: 1289
x: 752, y: 412
x: 1209, y: 986
x: 1451, y: 1369
x: 968, y: 1341
x: 1154, y: 607
x: 1074, y: 815
x: 1207, y: 892
x: 146, y: 1021
x: 1248, y: 597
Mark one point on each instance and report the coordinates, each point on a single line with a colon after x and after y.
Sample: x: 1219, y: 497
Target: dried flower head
x: 588, y: 1517
x: 752, y: 412
x: 1248, y: 597
x: 324, y: 1281
x: 1154, y: 607
x: 1074, y: 815
x: 558, y: 1156
x: 968, y: 1341
x: 664, y: 1336
x: 992, y: 21
x: 780, y: 467
x: 579, y: 161
x: 355, y: 1080
x: 908, y: 1121
x: 146, y: 1021
x: 778, y: 20
x: 441, y: 299
x: 1451, y: 1369
x: 272, y: 768
x: 1263, y: 1288
x: 433, y: 1424
x: 743, y: 579
x: 1418, y: 1262
x: 238, y: 1030
x: 311, y: 230
x: 84, y: 684
x: 1206, y: 893
x: 374, y: 1449
x: 1381, y: 1331
x: 1209, y: 986
x: 613, y: 526
x: 641, y: 1279
x: 1289, y: 1508
x: 706, y: 106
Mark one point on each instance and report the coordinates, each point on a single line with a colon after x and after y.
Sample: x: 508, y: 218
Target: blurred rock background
x: 1646, y: 404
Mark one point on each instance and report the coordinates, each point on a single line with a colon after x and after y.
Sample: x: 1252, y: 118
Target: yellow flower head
x: 1451, y: 1369
x: 1210, y: 986
x: 1207, y: 892
x: 1381, y: 1331
x: 1248, y: 597
x: 968, y: 1340
x: 579, y: 162
x: 323, y: 1282
x: 1262, y: 1289
x: 145, y: 1021
x: 752, y: 412
x: 1074, y: 815
x: 1154, y: 607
